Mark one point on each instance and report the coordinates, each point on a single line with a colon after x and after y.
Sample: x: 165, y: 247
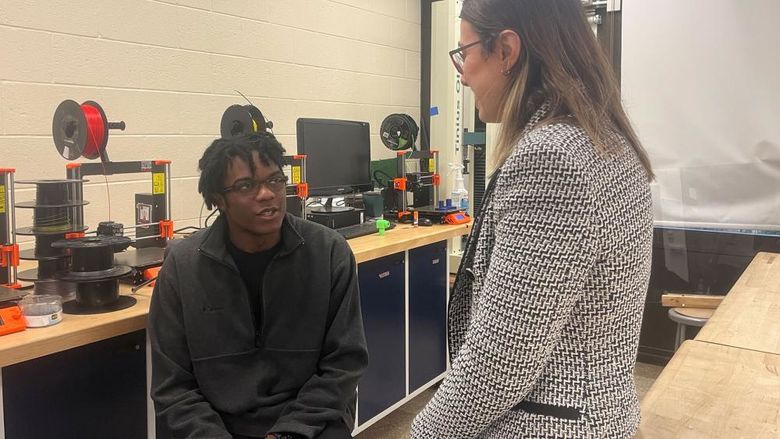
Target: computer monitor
x: 338, y: 156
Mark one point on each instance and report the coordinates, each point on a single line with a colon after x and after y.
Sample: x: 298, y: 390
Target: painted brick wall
x: 169, y: 68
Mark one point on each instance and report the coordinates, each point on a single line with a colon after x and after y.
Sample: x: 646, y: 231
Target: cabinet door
x: 93, y: 391
x: 427, y: 313
x: 382, y: 299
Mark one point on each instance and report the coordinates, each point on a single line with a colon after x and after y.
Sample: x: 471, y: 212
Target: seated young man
x: 255, y: 322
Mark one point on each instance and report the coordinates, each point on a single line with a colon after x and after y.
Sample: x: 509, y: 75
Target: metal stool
x: 685, y: 317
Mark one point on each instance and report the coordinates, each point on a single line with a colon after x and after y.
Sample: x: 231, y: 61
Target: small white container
x: 41, y: 310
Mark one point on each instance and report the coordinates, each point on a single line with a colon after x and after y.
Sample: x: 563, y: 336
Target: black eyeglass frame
x: 459, y: 53
x: 257, y: 184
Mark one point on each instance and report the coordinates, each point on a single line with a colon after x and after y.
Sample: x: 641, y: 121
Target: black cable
x: 379, y: 182
x: 206, y: 222
x: 135, y: 289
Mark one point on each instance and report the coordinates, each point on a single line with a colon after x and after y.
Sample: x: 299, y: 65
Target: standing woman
x: 545, y: 315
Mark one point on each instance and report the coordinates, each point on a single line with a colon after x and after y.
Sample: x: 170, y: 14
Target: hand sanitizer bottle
x: 460, y: 196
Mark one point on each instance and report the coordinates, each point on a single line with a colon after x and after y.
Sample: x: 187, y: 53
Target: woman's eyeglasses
x: 456, y: 55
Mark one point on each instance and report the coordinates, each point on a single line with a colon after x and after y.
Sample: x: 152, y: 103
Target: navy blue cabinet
x: 427, y: 313
x: 382, y: 285
x: 93, y: 391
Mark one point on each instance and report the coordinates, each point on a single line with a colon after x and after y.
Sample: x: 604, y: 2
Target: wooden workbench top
x: 79, y: 330
x: 714, y: 391
x: 749, y: 315
x: 402, y: 237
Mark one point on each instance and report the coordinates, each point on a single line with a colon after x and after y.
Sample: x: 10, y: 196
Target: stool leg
x: 680, y: 337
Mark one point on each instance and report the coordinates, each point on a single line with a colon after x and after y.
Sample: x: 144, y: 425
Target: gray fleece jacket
x: 214, y: 374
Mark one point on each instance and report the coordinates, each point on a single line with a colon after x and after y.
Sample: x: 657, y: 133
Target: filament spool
x: 96, y: 277
x: 81, y: 130
x: 52, y: 220
x: 242, y: 120
x: 52, y: 208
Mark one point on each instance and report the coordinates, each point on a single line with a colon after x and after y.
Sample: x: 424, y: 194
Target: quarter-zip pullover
x: 215, y: 375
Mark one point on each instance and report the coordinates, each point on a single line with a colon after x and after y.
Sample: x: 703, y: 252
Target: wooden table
x: 79, y: 330
x: 749, y: 316
x: 726, y: 382
x: 714, y: 391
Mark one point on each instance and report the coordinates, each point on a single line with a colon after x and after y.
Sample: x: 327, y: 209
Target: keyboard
x: 362, y: 229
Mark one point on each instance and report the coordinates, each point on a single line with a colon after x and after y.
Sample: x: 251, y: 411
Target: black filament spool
x: 52, y: 219
x: 52, y: 194
x: 73, y: 130
x: 48, y: 268
x: 98, y: 297
x: 92, y: 258
x: 257, y: 116
x: 67, y: 290
x: 92, y: 269
x: 97, y: 294
x: 69, y: 129
x: 53, y: 206
x: 241, y: 120
x: 43, y: 248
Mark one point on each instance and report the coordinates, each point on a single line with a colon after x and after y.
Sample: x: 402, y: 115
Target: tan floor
x: 396, y: 425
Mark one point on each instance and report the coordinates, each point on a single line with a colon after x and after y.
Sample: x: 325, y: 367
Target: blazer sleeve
x: 543, y: 247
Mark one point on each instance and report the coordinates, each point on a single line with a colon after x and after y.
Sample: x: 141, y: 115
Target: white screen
x: 701, y: 83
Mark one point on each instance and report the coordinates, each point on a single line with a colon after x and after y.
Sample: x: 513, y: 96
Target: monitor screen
x: 338, y: 155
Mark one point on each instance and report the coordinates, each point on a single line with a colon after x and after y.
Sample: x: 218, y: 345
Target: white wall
x: 168, y: 69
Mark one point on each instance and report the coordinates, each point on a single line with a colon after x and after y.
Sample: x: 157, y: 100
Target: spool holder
x: 71, y: 130
x: 96, y: 276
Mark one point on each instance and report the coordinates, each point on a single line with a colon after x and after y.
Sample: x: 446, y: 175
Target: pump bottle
x: 460, y: 196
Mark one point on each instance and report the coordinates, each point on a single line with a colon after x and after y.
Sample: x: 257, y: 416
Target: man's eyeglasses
x: 456, y: 55
x: 250, y: 186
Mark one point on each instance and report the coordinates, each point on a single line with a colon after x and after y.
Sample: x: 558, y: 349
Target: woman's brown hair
x: 560, y: 61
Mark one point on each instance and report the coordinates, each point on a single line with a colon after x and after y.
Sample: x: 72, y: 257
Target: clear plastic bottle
x: 460, y: 196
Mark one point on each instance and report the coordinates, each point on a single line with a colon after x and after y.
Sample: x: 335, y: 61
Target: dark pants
x: 333, y: 430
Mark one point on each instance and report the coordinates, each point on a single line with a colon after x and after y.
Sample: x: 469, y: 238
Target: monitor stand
x: 330, y: 208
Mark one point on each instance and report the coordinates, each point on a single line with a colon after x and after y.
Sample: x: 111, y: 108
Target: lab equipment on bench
x: 363, y: 229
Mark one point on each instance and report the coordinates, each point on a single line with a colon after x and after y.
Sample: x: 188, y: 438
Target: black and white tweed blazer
x: 545, y: 315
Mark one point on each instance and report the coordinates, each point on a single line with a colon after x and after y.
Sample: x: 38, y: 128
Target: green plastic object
x: 381, y: 225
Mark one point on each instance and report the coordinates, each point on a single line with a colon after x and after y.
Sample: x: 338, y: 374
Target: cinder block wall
x: 169, y: 68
